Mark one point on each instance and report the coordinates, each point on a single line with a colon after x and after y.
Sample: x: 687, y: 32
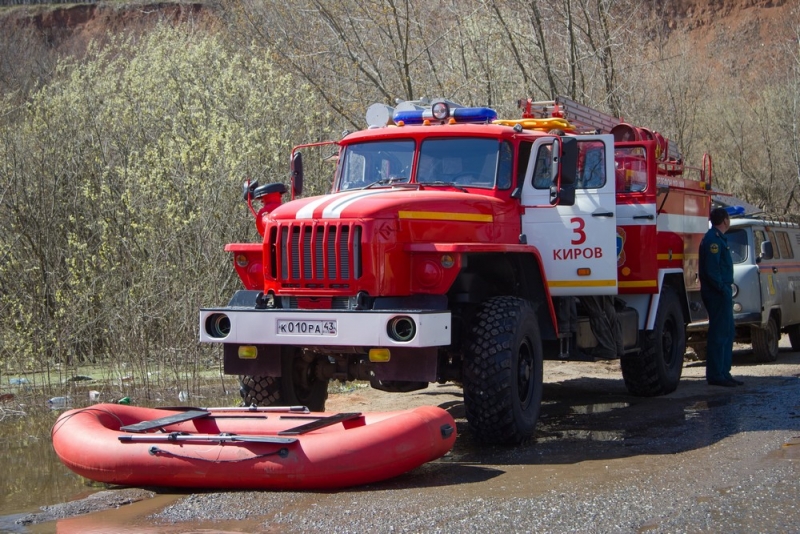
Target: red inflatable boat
x: 248, y: 448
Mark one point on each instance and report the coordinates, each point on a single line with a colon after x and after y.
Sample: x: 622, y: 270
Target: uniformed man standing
x: 716, y: 277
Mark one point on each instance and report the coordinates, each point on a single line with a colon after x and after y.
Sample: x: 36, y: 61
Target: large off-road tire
x: 260, y: 390
x: 299, y: 386
x: 503, y: 371
x: 765, y: 341
x: 794, y: 336
x: 657, y: 368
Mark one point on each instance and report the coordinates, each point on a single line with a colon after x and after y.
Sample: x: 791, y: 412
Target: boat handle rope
x: 283, y: 452
x: 63, y: 420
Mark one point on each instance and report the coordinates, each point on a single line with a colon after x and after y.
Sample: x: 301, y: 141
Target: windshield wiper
x: 394, y: 180
x: 445, y: 184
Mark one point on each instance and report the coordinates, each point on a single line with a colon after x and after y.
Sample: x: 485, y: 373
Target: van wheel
x: 657, y: 368
x: 794, y: 336
x: 700, y: 352
x: 503, y: 371
x: 765, y: 341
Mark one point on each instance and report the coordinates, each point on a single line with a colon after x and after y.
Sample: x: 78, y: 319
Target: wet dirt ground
x: 702, y: 459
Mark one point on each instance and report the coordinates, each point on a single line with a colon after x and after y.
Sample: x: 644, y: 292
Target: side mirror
x: 567, y: 166
x: 766, y: 250
x: 248, y: 188
x: 269, y: 189
x: 297, y: 174
x: 569, y: 161
x: 555, y: 157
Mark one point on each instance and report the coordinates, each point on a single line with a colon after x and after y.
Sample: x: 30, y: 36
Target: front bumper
x: 324, y: 328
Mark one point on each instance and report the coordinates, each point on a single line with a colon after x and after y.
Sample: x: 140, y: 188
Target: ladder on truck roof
x: 584, y: 118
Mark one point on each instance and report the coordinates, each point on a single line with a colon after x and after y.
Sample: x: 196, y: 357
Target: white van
x: 766, y: 278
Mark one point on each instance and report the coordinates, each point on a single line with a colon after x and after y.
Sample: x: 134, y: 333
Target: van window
x: 737, y: 242
x: 784, y: 245
x: 775, y: 249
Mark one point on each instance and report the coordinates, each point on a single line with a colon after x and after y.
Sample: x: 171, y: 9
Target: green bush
x: 120, y: 183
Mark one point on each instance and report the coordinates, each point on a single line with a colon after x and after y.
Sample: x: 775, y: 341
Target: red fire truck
x: 458, y: 247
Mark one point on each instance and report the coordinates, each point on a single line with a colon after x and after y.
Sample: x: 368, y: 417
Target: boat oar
x: 257, y: 409
x: 198, y: 413
x: 217, y: 438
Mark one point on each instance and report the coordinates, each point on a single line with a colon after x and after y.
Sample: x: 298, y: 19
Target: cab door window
x: 737, y: 242
x: 591, y: 165
x: 758, y: 238
x: 543, y: 171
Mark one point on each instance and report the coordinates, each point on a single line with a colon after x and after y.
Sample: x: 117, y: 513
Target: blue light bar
x: 734, y: 211
x: 474, y: 114
x: 471, y: 115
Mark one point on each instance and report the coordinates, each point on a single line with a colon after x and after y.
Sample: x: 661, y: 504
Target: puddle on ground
x: 599, y: 407
x: 32, y: 476
x: 789, y: 451
x: 123, y: 520
x: 594, y: 435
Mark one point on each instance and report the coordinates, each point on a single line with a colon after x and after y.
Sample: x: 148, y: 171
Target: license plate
x: 306, y: 328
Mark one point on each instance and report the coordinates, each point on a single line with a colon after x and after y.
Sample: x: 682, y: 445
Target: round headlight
x: 440, y: 111
x: 734, y: 290
x: 428, y: 273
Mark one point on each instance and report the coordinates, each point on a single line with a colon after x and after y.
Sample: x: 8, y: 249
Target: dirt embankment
x: 739, y: 38
x: 68, y: 29
x: 742, y: 32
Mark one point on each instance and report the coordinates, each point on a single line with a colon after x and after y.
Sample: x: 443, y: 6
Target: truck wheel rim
x: 525, y: 373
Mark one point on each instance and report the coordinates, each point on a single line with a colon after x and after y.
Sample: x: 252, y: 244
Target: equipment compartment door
x: 578, y: 243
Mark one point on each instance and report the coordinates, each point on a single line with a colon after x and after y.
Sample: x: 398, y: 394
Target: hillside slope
x: 737, y: 37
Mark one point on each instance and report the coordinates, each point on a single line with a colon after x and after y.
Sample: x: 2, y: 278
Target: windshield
x: 473, y: 162
x: 376, y: 162
x: 462, y: 161
x: 737, y: 241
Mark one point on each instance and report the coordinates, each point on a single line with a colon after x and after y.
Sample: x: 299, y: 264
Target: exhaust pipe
x: 401, y: 328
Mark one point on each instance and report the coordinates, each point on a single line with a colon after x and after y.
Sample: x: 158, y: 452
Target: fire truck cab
x: 458, y: 247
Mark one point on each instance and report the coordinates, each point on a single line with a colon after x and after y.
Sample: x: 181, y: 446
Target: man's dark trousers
x: 719, y: 305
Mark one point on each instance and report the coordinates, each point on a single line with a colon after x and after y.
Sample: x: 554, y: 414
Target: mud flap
x: 266, y: 363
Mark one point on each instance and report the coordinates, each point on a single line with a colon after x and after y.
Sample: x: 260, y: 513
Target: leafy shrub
x: 120, y: 183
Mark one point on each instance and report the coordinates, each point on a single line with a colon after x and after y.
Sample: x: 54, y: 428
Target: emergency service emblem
x: 714, y: 248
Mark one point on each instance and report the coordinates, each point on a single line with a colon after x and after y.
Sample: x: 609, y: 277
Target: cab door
x: 577, y: 243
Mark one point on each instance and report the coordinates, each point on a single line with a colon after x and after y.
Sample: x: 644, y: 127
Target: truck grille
x: 316, y: 254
